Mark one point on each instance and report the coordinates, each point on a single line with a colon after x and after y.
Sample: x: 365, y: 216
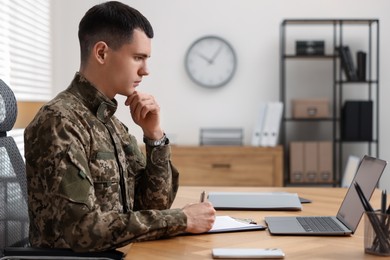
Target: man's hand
x: 200, y: 217
x: 145, y: 112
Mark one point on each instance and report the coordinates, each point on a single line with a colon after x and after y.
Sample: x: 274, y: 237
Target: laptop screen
x: 367, y: 176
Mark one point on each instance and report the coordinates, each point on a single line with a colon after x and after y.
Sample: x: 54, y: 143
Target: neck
x: 97, y: 79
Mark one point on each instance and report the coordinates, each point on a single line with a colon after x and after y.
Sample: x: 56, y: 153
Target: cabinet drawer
x: 226, y: 166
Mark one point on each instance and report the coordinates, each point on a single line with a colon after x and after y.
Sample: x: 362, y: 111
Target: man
x: 89, y: 186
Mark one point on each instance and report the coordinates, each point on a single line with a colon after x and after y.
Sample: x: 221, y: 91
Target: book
x: 361, y: 60
x: 347, y: 63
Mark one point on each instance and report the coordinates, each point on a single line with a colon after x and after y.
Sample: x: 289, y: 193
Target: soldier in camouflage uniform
x: 89, y: 186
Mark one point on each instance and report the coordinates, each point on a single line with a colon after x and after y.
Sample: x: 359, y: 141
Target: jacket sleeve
x: 157, y: 185
x: 62, y: 200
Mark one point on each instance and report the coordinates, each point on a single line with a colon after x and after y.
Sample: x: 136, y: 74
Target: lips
x: 136, y: 83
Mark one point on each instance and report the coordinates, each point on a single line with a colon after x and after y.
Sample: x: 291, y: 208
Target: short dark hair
x: 112, y: 22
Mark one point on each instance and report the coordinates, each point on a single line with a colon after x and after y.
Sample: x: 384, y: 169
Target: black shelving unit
x: 367, y: 38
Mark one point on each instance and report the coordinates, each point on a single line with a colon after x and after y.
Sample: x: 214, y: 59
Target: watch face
x: 211, y: 62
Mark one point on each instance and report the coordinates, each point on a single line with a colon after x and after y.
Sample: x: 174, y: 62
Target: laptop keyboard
x: 319, y: 224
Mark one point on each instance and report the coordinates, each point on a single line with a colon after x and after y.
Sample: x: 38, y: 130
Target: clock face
x: 211, y: 62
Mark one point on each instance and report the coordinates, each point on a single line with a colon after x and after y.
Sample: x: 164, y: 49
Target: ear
x: 100, y: 52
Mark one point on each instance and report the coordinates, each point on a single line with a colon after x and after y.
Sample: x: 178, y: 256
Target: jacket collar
x: 97, y: 102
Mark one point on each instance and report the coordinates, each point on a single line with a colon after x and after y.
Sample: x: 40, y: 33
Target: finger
x: 149, y: 108
x: 130, y: 98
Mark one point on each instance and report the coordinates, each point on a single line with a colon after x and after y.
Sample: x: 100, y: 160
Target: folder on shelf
x: 273, y: 117
x: 361, y: 60
x: 350, y: 170
x: 347, y: 63
x: 366, y: 120
x: 357, y: 121
x: 311, y: 161
x: 259, y: 124
x: 296, y: 162
x: 325, y: 162
x: 350, y: 121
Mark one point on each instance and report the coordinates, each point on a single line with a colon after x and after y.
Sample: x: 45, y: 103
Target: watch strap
x: 159, y: 142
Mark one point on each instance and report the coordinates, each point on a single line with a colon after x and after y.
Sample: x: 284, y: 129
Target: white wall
x: 251, y: 26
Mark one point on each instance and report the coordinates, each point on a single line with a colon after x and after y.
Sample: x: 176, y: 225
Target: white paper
x: 226, y: 222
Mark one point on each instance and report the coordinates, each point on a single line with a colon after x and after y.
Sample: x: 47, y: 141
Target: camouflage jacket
x: 89, y: 186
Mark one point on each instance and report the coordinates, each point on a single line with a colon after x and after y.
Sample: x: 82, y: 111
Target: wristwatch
x: 154, y: 143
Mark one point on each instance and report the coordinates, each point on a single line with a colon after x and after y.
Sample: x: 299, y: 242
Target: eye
x: 138, y: 58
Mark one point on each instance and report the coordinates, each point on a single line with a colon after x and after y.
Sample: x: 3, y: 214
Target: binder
x: 296, y: 162
x: 311, y: 161
x: 357, y: 121
x: 259, y: 124
x: 272, y: 122
x: 350, y: 171
x: 365, y: 122
x: 350, y: 121
x: 361, y: 60
x: 347, y: 63
x: 325, y: 162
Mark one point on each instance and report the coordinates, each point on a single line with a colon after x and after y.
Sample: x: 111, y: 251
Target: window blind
x: 25, y: 48
x: 25, y: 51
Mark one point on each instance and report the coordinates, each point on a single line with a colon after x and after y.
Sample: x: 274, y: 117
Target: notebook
x: 350, y: 211
x: 255, y: 200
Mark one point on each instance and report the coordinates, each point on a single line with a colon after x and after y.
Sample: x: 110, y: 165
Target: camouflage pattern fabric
x: 89, y: 186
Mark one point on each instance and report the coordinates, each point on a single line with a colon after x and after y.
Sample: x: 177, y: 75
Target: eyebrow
x: 143, y: 55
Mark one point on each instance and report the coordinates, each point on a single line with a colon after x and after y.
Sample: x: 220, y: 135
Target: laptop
x: 350, y: 212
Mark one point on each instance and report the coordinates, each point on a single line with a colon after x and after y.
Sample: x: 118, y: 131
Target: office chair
x: 14, y: 221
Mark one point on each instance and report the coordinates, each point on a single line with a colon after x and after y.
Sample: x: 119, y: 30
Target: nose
x: 144, y: 70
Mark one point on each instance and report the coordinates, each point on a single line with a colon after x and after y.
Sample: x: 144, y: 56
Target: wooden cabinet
x: 229, y: 165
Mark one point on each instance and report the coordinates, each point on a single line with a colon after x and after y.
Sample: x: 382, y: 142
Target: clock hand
x: 205, y: 58
x: 216, y: 53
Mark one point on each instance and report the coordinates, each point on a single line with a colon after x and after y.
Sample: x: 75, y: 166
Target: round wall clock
x: 211, y: 62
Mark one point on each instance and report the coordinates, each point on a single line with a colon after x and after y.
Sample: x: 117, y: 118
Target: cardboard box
x: 296, y: 162
x: 311, y: 162
x: 325, y: 162
x: 310, y: 108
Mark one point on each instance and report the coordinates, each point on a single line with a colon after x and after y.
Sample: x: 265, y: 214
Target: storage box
x: 311, y: 162
x: 310, y: 48
x: 310, y: 108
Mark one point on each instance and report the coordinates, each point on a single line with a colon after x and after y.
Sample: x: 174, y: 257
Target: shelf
x: 311, y: 184
x: 357, y: 82
x: 308, y: 119
x: 293, y: 56
x: 329, y: 21
x: 330, y: 154
x: 356, y: 141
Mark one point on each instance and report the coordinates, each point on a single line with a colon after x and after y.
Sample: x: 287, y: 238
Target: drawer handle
x: 221, y: 165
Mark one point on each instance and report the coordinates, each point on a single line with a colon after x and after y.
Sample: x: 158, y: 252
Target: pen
x: 384, y: 201
x: 202, y: 196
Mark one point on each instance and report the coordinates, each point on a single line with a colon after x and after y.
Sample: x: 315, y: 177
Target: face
x: 126, y: 66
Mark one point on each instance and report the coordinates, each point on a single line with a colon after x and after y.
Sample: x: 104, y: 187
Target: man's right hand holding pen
x: 200, y: 216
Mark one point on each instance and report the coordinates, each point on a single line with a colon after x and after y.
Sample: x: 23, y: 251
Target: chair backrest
x: 14, y: 220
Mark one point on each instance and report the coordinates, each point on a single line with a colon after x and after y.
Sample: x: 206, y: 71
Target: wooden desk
x: 326, y: 201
